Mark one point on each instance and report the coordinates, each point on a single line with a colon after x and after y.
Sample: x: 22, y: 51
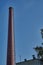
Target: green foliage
x: 39, y: 51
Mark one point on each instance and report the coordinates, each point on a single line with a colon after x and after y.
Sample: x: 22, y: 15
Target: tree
x: 39, y: 51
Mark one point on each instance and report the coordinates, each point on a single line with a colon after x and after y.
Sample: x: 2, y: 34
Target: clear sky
x: 28, y: 20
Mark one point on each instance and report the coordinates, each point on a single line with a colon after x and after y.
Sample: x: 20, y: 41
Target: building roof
x: 28, y: 61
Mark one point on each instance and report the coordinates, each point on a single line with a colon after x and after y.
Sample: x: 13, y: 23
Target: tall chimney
x: 10, y: 47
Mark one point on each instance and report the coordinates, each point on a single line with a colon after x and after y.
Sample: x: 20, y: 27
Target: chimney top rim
x: 10, y: 7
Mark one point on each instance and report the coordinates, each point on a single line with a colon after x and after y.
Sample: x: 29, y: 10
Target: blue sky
x: 28, y: 20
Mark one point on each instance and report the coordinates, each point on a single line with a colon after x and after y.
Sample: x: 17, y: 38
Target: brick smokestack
x: 10, y: 46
